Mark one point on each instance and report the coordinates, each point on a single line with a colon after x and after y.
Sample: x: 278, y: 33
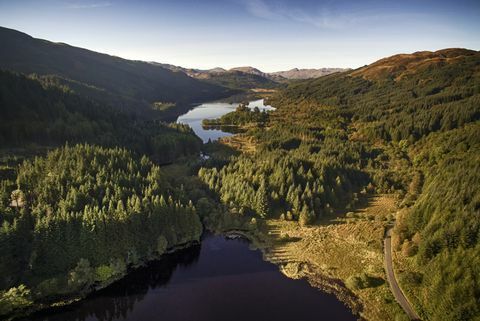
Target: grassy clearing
x: 336, y: 249
x: 242, y: 143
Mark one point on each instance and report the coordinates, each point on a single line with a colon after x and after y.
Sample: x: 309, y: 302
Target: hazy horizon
x: 265, y: 34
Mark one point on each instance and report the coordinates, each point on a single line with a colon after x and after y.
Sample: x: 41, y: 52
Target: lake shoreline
x: 219, y: 251
x: 334, y: 250
x: 54, y: 306
x: 303, y: 270
x: 213, y: 110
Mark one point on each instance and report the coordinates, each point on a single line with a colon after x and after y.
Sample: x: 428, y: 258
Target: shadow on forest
x: 219, y: 153
x: 118, y: 300
x: 339, y: 216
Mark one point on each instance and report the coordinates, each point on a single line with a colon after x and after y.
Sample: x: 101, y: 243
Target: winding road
x: 397, y: 292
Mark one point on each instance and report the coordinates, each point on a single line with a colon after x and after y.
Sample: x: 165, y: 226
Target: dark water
x: 219, y: 280
x: 210, y: 111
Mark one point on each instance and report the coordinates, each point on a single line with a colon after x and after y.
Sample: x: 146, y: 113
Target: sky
x: 271, y: 35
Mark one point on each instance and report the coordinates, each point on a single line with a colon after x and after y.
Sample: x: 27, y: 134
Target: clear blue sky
x: 268, y: 34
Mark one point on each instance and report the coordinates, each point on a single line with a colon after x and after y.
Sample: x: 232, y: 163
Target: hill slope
x: 407, y: 125
x: 119, y: 81
x: 237, y: 79
x: 242, y: 78
x: 398, y: 100
x: 296, y: 73
x: 33, y: 112
x: 249, y: 77
x: 402, y: 65
x: 421, y: 113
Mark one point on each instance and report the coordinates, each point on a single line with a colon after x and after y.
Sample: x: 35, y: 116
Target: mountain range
x: 278, y: 76
x: 132, y: 85
x: 127, y: 84
x: 296, y: 73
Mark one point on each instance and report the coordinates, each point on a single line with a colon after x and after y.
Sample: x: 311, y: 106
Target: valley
x: 135, y: 190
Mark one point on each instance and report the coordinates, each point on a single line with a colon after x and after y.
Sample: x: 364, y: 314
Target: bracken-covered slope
x: 426, y: 107
x: 407, y: 125
x: 296, y: 73
x: 121, y: 82
x: 401, y: 65
x: 401, y: 97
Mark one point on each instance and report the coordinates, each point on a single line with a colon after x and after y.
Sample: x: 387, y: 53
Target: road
x: 397, y: 292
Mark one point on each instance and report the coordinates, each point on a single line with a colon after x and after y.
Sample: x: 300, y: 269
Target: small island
x: 242, y: 117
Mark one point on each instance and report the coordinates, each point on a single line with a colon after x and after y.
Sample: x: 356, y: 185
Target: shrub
x: 104, y: 273
x: 162, y: 244
x: 413, y: 278
x: 82, y: 276
x: 409, y: 248
x: 362, y: 281
x: 14, y: 299
x: 52, y: 286
x: 354, y: 283
x: 350, y: 215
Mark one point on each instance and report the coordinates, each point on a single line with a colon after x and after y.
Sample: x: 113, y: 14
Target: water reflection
x: 224, y: 128
x: 214, y: 110
x: 118, y: 300
x: 221, y: 280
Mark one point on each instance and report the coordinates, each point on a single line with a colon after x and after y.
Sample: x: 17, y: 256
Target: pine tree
x: 261, y: 200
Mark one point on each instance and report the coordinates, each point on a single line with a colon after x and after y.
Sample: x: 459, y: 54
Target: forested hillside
x: 35, y: 112
x: 398, y: 100
x: 441, y: 231
x: 236, y: 79
x: 242, y: 116
x: 79, y: 217
x: 408, y: 125
x: 126, y: 84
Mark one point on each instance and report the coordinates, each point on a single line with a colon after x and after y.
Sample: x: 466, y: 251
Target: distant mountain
x: 250, y: 70
x: 129, y: 84
x: 283, y: 76
x: 248, y: 77
x: 237, y: 79
x: 123, y: 83
x: 217, y: 69
x: 192, y: 72
x: 255, y: 71
x: 296, y: 73
x: 243, y: 78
